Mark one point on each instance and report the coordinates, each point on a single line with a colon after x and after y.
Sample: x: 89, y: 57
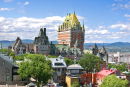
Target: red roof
x: 103, y: 73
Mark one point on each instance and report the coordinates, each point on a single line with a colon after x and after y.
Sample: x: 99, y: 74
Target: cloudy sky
x: 105, y: 20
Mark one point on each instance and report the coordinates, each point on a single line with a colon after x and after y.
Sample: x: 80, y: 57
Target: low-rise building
x: 105, y: 72
x: 8, y: 71
x: 74, y: 73
x: 59, y: 66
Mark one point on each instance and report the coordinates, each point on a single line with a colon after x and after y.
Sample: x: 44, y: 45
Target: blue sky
x: 105, y: 20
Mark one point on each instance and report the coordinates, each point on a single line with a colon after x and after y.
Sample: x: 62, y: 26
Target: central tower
x: 71, y: 31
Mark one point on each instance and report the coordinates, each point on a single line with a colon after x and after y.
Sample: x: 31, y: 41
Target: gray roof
x: 95, y: 46
x: 103, y: 50
x: 75, y: 66
x: 59, y: 60
x: 30, y: 45
x: 6, y: 58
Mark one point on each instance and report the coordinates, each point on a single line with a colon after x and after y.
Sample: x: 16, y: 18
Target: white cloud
x: 121, y: 26
x: 26, y: 3
x: 113, y: 4
x: 6, y: 9
x: 91, y: 31
x: 8, y: 0
x: 121, y: 6
x: 126, y: 15
x: 79, y: 17
x: 28, y: 28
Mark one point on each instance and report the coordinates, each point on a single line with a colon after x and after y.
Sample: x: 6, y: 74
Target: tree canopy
x: 37, y: 67
x: 113, y: 81
x: 122, y: 67
x: 6, y: 51
x: 12, y: 54
x: 75, y: 84
x: 90, y: 61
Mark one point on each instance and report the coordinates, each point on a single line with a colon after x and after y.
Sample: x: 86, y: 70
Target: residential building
x: 74, y: 73
x: 105, y: 72
x: 8, y: 71
x: 59, y: 66
x: 89, y: 78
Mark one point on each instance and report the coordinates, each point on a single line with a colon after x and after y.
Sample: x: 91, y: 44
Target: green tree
x: 6, y: 50
x: 37, y: 67
x: 75, y: 84
x: 122, y: 67
x: 69, y: 61
x: 90, y: 61
x: 12, y: 54
x: 113, y: 81
x: 21, y: 58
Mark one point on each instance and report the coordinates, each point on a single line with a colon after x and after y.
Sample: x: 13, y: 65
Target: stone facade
x: 41, y: 43
x: 8, y: 70
x: 18, y: 47
x: 102, y: 54
x: 70, y: 41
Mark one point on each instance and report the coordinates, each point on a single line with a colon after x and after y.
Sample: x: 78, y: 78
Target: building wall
x: 88, y: 77
x: 70, y: 37
x: 3, y: 70
x: 70, y: 81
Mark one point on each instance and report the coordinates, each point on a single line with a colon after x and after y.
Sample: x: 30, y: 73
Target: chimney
x: 51, y: 42
x: 63, y: 43
x: 45, y: 31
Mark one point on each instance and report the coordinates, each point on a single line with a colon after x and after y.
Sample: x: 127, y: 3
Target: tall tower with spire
x: 70, y: 31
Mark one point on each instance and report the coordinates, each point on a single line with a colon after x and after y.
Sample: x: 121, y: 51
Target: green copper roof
x: 71, y: 22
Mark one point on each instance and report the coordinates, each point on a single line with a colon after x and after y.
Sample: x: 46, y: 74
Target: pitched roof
x: 95, y: 46
x: 66, y: 48
x: 103, y: 50
x: 17, y: 43
x: 60, y: 60
x: 75, y: 66
x: 6, y: 58
x: 72, y: 20
x: 29, y: 44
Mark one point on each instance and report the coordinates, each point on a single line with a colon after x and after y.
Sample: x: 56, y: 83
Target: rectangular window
x: 3, y: 63
x: 7, y: 77
x: 7, y: 70
x: 15, y: 70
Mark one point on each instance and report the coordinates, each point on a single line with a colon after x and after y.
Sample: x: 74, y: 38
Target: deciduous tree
x: 75, y: 84
x: 37, y: 67
x: 90, y: 61
x: 113, y: 81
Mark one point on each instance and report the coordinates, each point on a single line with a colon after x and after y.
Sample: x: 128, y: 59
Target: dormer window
x: 59, y: 64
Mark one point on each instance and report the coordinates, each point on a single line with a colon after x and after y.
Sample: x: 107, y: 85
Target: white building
x: 59, y: 66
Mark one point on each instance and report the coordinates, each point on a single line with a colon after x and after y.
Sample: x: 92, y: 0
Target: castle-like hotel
x: 70, y: 41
